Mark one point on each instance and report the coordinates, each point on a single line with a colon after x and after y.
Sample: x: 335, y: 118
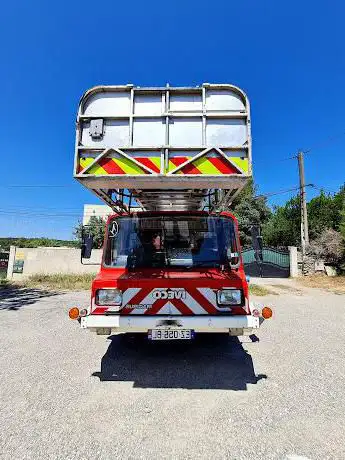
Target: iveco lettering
x: 166, y: 294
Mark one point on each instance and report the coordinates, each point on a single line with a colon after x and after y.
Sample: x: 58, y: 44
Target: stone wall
x: 313, y: 265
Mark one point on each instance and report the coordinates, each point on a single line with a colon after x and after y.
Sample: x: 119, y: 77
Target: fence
x: 275, y: 263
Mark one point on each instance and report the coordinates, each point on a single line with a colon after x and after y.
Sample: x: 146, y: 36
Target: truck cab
x: 171, y: 275
x: 182, y: 155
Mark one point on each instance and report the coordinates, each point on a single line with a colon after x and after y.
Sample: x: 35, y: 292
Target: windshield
x: 169, y: 241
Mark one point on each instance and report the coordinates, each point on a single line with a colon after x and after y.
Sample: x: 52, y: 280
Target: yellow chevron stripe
x: 128, y: 166
x: 156, y: 161
x: 172, y: 166
x: 97, y: 170
x: 205, y: 166
x: 242, y: 164
x: 83, y: 162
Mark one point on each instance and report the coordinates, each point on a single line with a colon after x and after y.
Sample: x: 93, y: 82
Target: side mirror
x: 86, y: 246
x: 233, y: 258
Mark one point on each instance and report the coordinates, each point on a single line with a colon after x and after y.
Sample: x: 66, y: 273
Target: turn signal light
x: 74, y: 313
x: 266, y: 313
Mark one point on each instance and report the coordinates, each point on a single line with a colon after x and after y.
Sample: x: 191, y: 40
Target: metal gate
x: 275, y: 263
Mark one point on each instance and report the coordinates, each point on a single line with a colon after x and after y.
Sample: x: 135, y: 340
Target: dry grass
x: 260, y: 291
x: 3, y: 282
x: 335, y: 284
x: 76, y: 282
x: 59, y: 282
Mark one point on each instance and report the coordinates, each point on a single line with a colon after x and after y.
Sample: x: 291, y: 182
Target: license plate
x: 170, y: 334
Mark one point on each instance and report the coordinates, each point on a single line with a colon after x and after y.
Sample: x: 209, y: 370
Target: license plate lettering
x: 170, y: 334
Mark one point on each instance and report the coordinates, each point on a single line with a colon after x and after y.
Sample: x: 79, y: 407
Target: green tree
x: 283, y: 228
x: 95, y: 227
x: 322, y: 214
x: 325, y: 212
x: 22, y: 242
x: 342, y: 223
x: 339, y: 200
x: 249, y: 210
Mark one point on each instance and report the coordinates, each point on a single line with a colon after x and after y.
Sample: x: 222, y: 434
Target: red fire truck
x: 171, y: 265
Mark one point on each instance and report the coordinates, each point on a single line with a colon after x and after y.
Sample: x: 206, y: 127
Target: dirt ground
x: 68, y: 393
x: 334, y: 284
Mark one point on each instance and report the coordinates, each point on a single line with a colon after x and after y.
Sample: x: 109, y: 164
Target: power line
x: 267, y: 195
x: 33, y: 214
x: 36, y: 185
x: 325, y: 189
x: 22, y: 207
x: 327, y: 141
x: 50, y: 211
x: 276, y: 160
x: 279, y: 192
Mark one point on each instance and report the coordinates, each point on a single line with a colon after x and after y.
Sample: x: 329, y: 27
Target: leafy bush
x: 329, y: 245
x: 95, y: 227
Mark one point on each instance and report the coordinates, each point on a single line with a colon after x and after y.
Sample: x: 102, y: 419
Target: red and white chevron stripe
x: 143, y: 301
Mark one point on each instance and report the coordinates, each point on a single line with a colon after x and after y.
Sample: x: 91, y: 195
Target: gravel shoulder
x: 69, y: 394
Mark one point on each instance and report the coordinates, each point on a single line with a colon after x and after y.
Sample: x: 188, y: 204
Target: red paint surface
x: 148, y: 279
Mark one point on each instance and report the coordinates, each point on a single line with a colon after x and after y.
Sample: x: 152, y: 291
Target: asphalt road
x: 69, y: 394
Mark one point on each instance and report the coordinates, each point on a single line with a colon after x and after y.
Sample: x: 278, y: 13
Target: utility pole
x: 304, y: 213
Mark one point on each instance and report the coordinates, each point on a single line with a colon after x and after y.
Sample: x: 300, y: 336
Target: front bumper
x: 235, y: 325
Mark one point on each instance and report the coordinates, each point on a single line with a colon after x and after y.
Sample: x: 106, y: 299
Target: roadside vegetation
x: 74, y: 282
x: 61, y: 281
x: 3, y: 282
x: 326, y: 216
x: 334, y: 284
x: 260, y: 291
x: 280, y: 225
x: 58, y: 282
x: 22, y: 242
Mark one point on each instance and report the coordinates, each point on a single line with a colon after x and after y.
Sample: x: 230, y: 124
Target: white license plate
x: 170, y: 334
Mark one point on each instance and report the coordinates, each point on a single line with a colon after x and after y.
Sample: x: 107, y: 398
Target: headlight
x: 108, y: 297
x: 229, y: 297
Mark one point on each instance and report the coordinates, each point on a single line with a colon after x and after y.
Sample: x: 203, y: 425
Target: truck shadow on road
x: 212, y: 361
x: 14, y: 298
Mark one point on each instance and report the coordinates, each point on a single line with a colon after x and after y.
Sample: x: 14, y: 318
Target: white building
x: 98, y: 210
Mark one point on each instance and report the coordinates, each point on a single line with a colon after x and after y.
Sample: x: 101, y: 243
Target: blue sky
x: 288, y: 56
